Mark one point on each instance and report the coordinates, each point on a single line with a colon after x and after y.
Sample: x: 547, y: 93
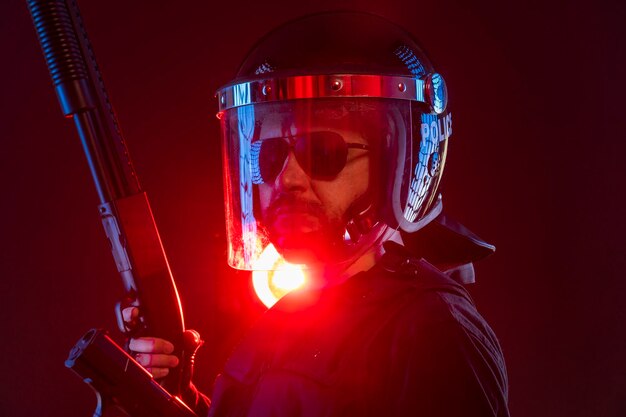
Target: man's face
x: 306, y: 216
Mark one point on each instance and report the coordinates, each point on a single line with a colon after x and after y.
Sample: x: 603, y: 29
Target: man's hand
x: 152, y: 353
x: 155, y: 355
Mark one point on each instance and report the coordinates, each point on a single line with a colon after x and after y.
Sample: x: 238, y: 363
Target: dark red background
x: 535, y: 166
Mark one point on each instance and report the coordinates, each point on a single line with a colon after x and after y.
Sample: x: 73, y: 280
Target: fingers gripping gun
x: 119, y: 381
x: 124, y: 208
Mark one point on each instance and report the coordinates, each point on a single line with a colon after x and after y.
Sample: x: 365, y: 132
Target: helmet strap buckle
x: 359, y: 225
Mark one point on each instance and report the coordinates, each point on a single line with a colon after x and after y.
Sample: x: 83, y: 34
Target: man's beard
x: 302, y: 231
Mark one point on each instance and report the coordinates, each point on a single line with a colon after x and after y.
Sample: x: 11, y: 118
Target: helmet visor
x: 334, y: 145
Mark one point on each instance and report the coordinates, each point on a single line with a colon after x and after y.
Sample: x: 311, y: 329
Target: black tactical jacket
x: 402, y: 339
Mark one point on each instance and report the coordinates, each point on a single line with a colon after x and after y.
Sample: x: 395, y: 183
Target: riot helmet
x: 327, y: 92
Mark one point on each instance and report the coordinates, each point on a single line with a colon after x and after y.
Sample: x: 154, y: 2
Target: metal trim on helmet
x: 430, y: 90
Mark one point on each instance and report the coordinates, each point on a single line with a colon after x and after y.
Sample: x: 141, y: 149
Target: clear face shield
x: 319, y: 169
x: 298, y: 172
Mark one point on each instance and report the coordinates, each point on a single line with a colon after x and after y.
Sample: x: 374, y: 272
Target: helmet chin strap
x: 364, y: 234
x: 359, y: 225
x: 364, y: 221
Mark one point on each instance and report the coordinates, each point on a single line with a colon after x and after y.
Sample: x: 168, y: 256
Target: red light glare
x: 274, y: 277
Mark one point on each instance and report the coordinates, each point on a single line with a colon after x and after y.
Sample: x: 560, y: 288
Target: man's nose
x: 292, y: 177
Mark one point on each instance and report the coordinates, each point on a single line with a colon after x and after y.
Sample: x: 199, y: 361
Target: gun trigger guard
x: 127, y: 328
x: 121, y: 324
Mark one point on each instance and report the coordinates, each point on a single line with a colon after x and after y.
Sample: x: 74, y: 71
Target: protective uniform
x: 403, y: 338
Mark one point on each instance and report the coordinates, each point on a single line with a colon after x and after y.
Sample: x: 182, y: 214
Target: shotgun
x: 123, y: 205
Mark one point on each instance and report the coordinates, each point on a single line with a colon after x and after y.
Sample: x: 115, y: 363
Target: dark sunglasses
x: 322, y: 155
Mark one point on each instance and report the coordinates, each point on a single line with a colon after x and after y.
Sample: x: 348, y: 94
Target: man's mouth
x: 288, y: 222
x: 293, y: 217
